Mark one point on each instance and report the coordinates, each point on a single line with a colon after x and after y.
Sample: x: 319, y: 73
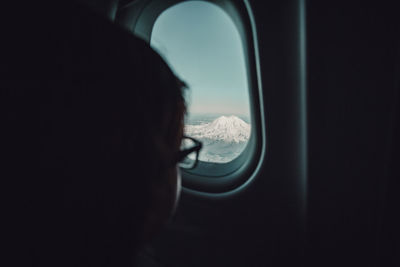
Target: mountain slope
x: 223, y: 139
x: 228, y: 129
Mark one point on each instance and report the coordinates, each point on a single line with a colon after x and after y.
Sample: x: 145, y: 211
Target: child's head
x: 118, y: 138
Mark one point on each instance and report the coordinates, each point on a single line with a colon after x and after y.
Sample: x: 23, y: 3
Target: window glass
x: 203, y: 46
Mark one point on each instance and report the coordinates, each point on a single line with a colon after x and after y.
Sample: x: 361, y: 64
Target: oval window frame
x: 215, y: 179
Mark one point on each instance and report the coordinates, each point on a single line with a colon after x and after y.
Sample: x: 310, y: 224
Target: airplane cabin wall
x: 351, y: 96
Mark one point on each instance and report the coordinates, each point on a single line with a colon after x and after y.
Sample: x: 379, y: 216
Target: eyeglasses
x: 188, y: 155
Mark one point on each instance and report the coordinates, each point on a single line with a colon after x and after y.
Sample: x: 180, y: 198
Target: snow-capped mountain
x: 229, y: 129
x: 223, y: 139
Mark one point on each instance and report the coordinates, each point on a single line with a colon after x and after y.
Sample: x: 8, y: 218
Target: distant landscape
x: 224, y: 137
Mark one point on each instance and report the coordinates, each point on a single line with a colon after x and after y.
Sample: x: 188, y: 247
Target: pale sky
x: 203, y: 47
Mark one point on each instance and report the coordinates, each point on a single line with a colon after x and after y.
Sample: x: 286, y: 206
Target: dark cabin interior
x: 330, y: 74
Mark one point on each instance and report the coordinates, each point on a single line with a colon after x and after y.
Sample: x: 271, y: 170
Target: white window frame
x: 215, y: 180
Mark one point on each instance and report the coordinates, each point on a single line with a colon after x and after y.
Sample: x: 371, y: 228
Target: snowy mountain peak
x: 230, y: 122
x: 225, y: 128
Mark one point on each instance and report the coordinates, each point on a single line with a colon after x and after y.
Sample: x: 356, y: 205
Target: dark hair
x: 86, y: 133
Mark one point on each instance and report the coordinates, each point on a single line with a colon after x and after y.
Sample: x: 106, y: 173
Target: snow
x: 228, y: 129
x: 223, y: 139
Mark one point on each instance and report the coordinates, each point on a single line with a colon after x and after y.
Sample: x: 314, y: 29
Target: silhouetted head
x: 94, y: 125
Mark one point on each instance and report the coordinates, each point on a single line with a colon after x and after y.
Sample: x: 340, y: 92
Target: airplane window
x: 203, y: 46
